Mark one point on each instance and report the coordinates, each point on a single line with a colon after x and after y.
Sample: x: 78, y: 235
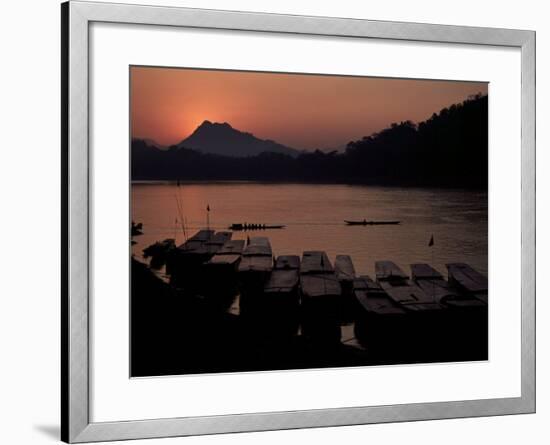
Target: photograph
x: 293, y: 220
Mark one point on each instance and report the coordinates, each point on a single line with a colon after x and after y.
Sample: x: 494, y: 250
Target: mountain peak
x: 206, y: 123
x: 223, y: 139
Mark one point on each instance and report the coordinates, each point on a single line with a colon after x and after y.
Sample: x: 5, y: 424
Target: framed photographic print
x: 276, y: 222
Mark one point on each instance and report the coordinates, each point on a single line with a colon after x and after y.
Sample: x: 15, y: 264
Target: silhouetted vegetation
x: 450, y: 149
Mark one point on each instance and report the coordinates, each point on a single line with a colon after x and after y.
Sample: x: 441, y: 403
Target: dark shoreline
x: 305, y: 182
x: 449, y: 150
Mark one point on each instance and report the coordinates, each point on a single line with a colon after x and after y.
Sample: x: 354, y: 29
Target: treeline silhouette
x: 450, y: 149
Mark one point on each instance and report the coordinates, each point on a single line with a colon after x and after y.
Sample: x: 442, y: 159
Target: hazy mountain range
x: 223, y: 139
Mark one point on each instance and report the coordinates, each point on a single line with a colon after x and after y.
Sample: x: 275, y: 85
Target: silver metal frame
x: 76, y: 18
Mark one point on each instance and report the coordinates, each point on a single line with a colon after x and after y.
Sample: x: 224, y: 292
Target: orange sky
x: 301, y: 111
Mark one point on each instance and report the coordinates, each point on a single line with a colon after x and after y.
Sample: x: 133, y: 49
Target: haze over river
x: 314, y: 217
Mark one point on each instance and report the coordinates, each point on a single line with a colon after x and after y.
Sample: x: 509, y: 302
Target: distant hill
x: 450, y: 149
x: 223, y: 139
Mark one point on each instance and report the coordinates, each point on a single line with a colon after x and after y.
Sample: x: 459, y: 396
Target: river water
x: 314, y: 218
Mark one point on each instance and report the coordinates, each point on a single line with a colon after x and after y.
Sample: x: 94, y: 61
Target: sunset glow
x: 301, y: 111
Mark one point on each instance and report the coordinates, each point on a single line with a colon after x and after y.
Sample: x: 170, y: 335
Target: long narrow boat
x: 345, y: 273
x: 239, y: 226
x: 254, y: 270
x: 220, y: 272
x: 402, y: 290
x: 315, y: 262
x: 467, y: 320
x: 388, y: 270
x: 321, y: 298
x: 371, y: 223
x: 469, y: 280
x: 219, y: 239
x: 184, y: 263
x: 427, y: 319
x: 380, y: 322
x: 281, y: 299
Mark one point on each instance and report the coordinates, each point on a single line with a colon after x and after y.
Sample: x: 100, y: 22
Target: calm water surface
x: 314, y: 217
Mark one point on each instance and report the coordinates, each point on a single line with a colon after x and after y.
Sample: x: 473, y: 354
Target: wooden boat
x: 388, y: 270
x: 380, y: 322
x: 345, y: 273
x: 426, y: 318
x: 467, y: 318
x: 220, y: 272
x: 204, y: 250
x: 433, y: 283
x: 371, y: 223
x: 343, y: 267
x: 281, y: 299
x: 159, y: 252
x: 321, y: 298
x: 184, y: 263
x: 238, y: 227
x: 284, y: 262
x: 219, y: 239
x: 232, y: 247
x: 202, y: 235
x: 282, y: 282
x: 257, y: 264
x: 228, y: 255
x: 468, y: 280
x: 254, y: 270
x: 314, y: 261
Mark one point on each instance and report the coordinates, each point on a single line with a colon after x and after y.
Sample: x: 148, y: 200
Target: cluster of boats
x: 396, y: 317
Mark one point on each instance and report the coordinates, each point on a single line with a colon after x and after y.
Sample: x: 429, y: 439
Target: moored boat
x: 427, y: 318
x: 254, y: 270
x: 466, y: 318
x: 281, y: 300
x: 469, y: 280
x: 184, y: 263
x: 321, y: 298
x: 380, y: 322
x: 220, y: 272
x: 345, y: 273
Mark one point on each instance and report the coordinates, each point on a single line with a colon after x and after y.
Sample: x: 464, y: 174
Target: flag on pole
x: 431, y: 243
